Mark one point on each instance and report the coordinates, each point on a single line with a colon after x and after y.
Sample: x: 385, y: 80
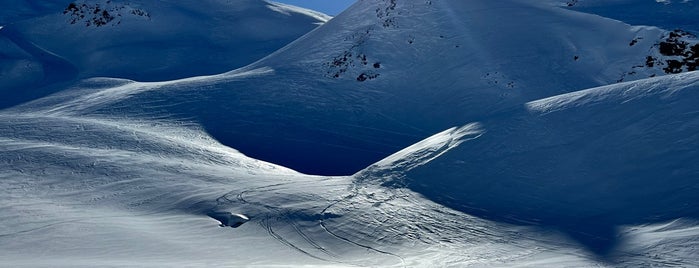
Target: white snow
x: 426, y: 150
x: 289, y: 9
x: 476, y: 140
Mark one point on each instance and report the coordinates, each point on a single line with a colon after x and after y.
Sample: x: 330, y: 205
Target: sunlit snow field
x: 438, y: 133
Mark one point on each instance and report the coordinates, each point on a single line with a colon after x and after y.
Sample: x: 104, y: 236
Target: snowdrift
x: 585, y: 162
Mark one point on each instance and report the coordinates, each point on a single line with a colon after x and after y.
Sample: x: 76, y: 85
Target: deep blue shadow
x: 57, y: 72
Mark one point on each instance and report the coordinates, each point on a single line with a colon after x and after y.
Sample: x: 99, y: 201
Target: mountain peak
x: 504, y: 38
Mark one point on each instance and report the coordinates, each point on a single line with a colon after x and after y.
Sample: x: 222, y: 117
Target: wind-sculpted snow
x: 86, y: 191
x: 424, y: 151
x: 103, y: 192
x: 584, y: 162
x: 474, y: 139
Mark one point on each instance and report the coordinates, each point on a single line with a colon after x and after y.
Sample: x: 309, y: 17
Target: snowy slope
x: 474, y: 136
x: 585, y: 162
x: 141, y: 40
x: 477, y: 58
x: 86, y: 191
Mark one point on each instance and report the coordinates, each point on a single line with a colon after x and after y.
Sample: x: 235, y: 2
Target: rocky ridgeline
x: 676, y: 52
x: 98, y: 15
x: 680, y: 50
x: 355, y: 61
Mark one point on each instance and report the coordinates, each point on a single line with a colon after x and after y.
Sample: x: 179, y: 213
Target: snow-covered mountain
x: 366, y: 84
x: 45, y: 42
x: 468, y: 133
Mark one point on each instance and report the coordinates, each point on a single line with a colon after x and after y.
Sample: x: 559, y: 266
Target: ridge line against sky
x: 330, y: 7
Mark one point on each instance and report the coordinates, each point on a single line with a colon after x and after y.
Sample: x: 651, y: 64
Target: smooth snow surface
x: 441, y: 133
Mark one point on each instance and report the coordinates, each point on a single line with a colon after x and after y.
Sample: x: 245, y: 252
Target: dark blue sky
x: 330, y: 7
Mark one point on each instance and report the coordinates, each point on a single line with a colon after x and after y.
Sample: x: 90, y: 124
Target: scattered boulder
x: 96, y: 15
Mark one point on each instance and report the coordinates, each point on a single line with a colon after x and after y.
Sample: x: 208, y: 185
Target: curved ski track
x: 282, y: 216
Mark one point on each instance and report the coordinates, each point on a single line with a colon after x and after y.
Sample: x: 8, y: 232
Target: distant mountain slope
x: 142, y: 40
x: 668, y: 14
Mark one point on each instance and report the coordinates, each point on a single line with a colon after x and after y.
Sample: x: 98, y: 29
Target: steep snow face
x: 141, y: 40
x: 582, y: 50
x: 366, y: 84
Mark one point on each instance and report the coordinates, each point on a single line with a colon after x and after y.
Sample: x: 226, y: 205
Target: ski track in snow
x: 106, y: 173
x: 280, y: 219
